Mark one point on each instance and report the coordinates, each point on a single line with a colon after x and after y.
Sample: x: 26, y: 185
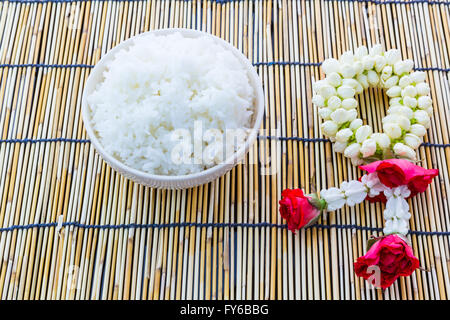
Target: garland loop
x: 410, y: 105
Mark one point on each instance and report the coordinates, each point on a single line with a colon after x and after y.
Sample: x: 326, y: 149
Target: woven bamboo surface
x: 223, y: 240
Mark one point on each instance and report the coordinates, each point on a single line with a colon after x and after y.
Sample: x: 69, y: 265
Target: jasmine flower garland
x: 354, y: 192
x: 410, y: 105
x: 391, y: 181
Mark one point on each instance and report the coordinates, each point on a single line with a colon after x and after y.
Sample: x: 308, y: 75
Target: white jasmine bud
x: 334, y: 197
x: 418, y: 76
x: 412, y: 141
x: 423, y: 89
x: 346, y: 92
x: 368, y: 62
x: 326, y: 91
x: 318, y: 100
x: 361, y: 52
x: 404, y: 66
x: 359, y: 88
x: 410, y: 101
x: 325, y: 113
x: 399, y: 119
x: 393, y: 56
x: 386, y: 72
x: 409, y: 91
x: 339, y: 146
x: 352, y: 113
x: 418, y: 130
x: 393, y: 226
x: 405, y: 81
x: 373, y: 78
x: 403, y: 122
x: 362, y: 133
x: 368, y: 148
x: 334, y: 79
x: 399, y: 109
x: 355, y: 124
x: 317, y: 85
x: 352, y: 150
x: 424, y: 102
x: 376, y: 50
x: 394, y: 91
x: 350, y: 83
x: 422, y: 118
x: 395, y: 101
x: 382, y: 140
x: 380, y: 62
x: 329, y: 128
x: 340, y: 116
x: 347, y: 70
x: 429, y: 111
x: 358, y: 66
x: 330, y: 65
x: 355, y: 192
x: 347, y: 57
x: 403, y: 150
x: 390, y: 118
x: 343, y: 135
x: 390, y: 82
x: 349, y: 103
x: 334, y: 102
x: 362, y: 79
x: 393, y: 130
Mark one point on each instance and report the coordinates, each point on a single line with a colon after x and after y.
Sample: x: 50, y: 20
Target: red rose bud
x: 297, y: 209
x: 387, y: 259
x: 396, y: 172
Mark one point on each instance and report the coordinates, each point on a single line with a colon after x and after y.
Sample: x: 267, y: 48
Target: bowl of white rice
x: 173, y: 108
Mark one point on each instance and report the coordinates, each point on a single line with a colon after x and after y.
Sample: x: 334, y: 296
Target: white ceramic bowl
x: 182, y: 181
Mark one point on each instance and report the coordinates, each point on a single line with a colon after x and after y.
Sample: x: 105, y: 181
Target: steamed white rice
x: 162, y: 84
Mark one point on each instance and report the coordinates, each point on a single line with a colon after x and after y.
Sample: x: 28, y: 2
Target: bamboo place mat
x: 72, y: 228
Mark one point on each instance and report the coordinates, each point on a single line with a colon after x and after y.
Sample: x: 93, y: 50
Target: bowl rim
x: 142, y: 175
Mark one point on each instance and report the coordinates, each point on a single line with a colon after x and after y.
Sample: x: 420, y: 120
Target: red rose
x: 296, y: 209
x: 379, y: 198
x: 396, y: 172
x: 389, y: 258
x: 389, y: 172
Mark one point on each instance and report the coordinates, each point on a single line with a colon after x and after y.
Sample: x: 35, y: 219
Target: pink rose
x: 296, y: 209
x: 396, y: 172
x: 387, y: 259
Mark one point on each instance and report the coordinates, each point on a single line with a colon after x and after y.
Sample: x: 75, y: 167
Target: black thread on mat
x: 207, y: 225
x: 288, y: 63
x: 44, y: 140
x: 294, y: 139
x: 256, y: 64
x: 424, y: 144
x: 44, y: 65
x: 432, y: 69
x: 300, y: 139
x: 429, y: 2
x: 379, y: 2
